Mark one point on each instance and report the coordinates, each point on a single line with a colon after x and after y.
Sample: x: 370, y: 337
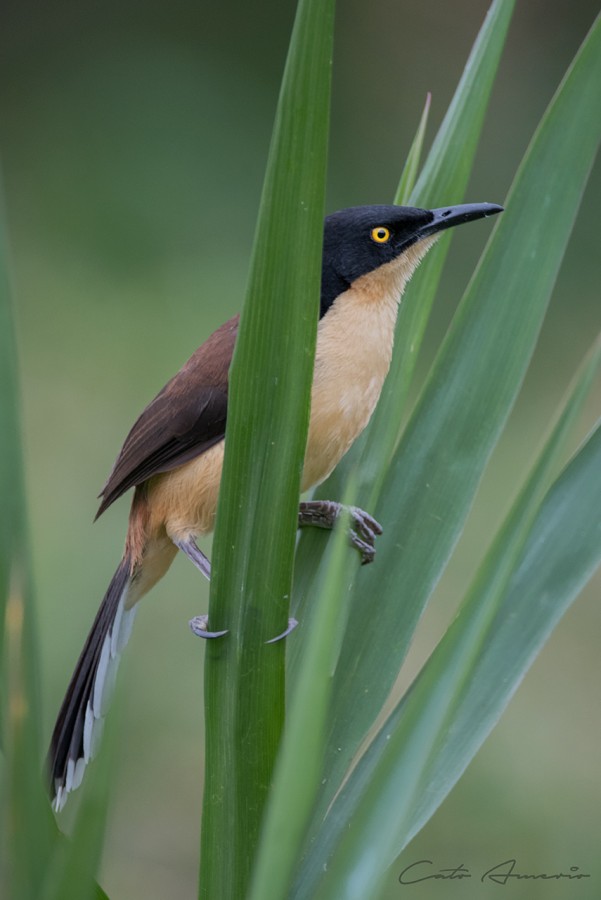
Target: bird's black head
x: 362, y: 238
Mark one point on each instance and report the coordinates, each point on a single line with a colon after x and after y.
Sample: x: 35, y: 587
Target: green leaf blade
x: 29, y: 825
x: 76, y: 860
x: 12, y: 508
x: 256, y: 524
x: 443, y: 180
x: 411, y: 167
x: 467, y: 398
x: 371, y: 455
x: 562, y: 552
x: 408, y: 757
x: 298, y: 772
x: 429, y: 489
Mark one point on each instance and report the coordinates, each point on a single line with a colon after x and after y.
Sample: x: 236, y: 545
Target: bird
x: 173, y: 455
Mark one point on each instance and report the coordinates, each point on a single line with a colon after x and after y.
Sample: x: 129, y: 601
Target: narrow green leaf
x: 32, y: 838
x: 268, y: 411
x: 562, y: 553
x: 411, y: 167
x: 12, y: 522
x: 443, y: 180
x: 496, y: 614
x: 299, y: 767
x: 465, y: 403
x: 440, y: 181
x: 29, y: 826
x: 420, y: 751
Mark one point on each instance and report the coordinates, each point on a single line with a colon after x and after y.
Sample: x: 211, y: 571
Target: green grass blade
x: 420, y: 751
x: 465, y: 402
x: 267, y: 426
x: 411, y: 167
x: 298, y: 772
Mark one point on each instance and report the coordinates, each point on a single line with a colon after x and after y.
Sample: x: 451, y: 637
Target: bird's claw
x: 292, y: 623
x: 363, y: 532
x: 363, y: 528
x: 199, y: 626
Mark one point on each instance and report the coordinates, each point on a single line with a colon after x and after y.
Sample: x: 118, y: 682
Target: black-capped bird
x: 173, y: 455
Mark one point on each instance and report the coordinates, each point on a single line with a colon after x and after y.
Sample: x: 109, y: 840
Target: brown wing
x: 186, y: 418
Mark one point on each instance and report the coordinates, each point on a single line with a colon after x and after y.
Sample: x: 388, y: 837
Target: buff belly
x: 354, y: 349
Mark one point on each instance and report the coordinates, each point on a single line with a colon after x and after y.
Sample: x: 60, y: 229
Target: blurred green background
x: 133, y: 139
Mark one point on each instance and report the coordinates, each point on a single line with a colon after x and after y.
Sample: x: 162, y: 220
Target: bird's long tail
x: 81, y: 715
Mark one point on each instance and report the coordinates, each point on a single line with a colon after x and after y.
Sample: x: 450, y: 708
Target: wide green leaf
x: 268, y: 415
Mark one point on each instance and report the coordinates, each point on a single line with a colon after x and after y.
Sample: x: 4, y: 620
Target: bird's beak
x: 449, y: 216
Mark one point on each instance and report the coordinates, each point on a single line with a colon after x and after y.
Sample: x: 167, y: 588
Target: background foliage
x: 132, y: 200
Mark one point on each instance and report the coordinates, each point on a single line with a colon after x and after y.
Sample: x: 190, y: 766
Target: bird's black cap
x: 352, y: 246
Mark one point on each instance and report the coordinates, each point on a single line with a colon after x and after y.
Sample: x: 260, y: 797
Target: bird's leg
x: 195, y: 555
x: 199, y: 624
x: 363, y: 528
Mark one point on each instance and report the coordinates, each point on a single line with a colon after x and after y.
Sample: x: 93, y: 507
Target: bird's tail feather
x: 81, y: 716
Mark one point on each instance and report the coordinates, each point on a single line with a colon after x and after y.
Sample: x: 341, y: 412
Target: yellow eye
x: 380, y: 234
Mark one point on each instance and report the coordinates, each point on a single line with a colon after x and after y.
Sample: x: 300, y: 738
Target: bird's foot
x: 199, y: 626
x: 363, y: 528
